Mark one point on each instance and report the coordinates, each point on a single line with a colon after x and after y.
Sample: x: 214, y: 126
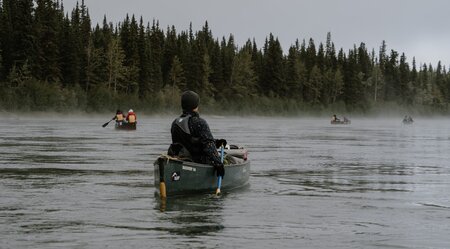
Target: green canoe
x: 176, y: 177
x: 341, y: 122
x: 126, y: 126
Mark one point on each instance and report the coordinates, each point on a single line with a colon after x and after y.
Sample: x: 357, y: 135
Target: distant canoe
x: 126, y: 126
x: 341, y: 122
x: 184, y: 177
x: 408, y: 122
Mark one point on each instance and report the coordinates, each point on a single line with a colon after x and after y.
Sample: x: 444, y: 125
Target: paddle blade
x: 219, y: 185
x: 105, y: 124
x: 219, y: 179
x: 162, y: 190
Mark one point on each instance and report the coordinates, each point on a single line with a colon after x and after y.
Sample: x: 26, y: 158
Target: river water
x: 66, y: 182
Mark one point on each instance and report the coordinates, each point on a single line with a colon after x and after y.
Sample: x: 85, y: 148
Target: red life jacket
x: 131, y: 118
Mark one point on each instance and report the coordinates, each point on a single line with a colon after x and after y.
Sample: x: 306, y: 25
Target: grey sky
x: 416, y: 27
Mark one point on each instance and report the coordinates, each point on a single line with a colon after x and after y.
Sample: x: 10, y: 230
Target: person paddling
x: 119, y: 117
x: 335, y: 118
x: 192, y: 137
x: 131, y: 118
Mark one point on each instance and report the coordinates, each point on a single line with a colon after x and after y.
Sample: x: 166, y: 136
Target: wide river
x: 66, y: 182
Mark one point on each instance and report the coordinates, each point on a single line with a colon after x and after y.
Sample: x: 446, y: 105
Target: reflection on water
x: 192, y: 215
x: 69, y: 183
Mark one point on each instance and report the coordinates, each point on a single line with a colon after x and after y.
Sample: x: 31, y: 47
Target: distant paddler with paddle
x: 191, y: 136
x: 119, y: 117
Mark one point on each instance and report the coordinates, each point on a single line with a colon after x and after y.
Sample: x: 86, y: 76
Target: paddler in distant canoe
x: 131, y: 119
x: 119, y: 117
x: 334, y: 118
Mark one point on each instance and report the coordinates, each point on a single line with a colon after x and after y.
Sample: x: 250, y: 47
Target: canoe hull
x: 125, y: 126
x: 181, y: 177
x: 341, y: 122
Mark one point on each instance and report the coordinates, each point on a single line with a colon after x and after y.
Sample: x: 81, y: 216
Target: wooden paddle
x: 107, y: 123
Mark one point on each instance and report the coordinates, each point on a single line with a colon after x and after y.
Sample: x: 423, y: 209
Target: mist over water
x: 376, y: 183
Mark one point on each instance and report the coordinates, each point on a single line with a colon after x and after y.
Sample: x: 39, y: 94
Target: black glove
x: 220, y: 142
x: 220, y: 170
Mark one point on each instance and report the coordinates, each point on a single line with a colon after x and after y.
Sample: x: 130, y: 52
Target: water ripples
x: 69, y: 182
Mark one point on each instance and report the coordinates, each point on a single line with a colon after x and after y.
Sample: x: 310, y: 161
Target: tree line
x: 51, y: 59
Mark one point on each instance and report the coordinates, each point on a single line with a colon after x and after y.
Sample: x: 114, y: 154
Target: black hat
x: 189, y: 100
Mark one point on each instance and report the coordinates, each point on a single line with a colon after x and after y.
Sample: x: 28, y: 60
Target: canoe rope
x: 165, y: 156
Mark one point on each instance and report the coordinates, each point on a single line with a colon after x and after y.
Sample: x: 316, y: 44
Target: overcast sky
x: 416, y: 27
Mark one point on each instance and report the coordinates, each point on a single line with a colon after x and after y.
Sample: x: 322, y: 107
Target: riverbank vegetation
x: 56, y: 60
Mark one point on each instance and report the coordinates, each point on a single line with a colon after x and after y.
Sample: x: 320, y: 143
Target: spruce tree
x: 207, y: 89
x: 353, y: 91
x: 17, y: 35
x: 176, y: 79
x: 273, y: 81
x: 337, y: 86
x: 170, y: 51
x: 144, y: 61
x: 69, y: 56
x: 328, y: 83
x: 364, y: 61
x: 228, y: 55
x: 100, y: 40
x: 1, y: 67
x: 184, y: 54
x: 129, y: 43
x: 441, y: 88
x: 330, y: 53
x: 217, y: 77
x: 46, y: 26
x: 94, y: 69
x: 74, y: 39
x: 376, y: 83
x: 320, y: 58
x: 392, y: 90
x: 257, y: 61
x: 404, y: 84
x: 243, y: 78
x: 115, y: 66
x: 156, y: 41
x: 294, y: 74
x: 310, y: 55
x: 84, y: 45
x: 313, y: 87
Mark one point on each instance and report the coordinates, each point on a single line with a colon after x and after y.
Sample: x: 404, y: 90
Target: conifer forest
x: 53, y: 59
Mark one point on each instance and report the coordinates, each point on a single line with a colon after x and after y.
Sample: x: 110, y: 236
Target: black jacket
x: 193, y: 133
